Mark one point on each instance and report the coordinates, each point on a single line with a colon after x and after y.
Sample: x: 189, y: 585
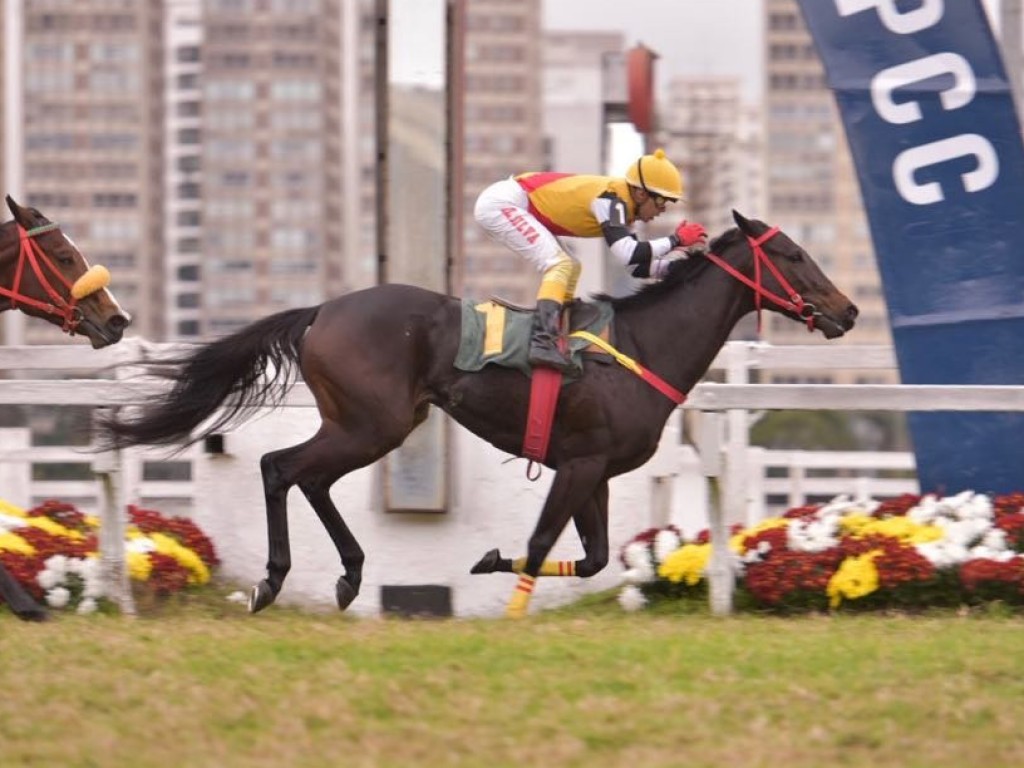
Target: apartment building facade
x: 502, y: 109
x: 811, y: 188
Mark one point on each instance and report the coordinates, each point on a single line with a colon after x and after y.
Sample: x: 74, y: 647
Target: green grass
x: 201, y: 683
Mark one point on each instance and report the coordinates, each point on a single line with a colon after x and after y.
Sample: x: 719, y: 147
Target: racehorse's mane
x: 679, y: 272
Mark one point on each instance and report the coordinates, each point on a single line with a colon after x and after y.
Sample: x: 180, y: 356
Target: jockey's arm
x: 636, y: 255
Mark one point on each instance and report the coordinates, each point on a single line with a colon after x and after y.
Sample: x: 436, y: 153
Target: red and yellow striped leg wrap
x: 520, y: 597
x: 548, y: 567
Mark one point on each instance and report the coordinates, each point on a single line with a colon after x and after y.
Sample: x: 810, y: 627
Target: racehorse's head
x: 787, y: 280
x: 43, y: 273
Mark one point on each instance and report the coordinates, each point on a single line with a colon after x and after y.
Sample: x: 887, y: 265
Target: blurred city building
x: 584, y: 94
x: 502, y: 110
x: 715, y: 137
x: 220, y: 156
x: 201, y: 149
x: 90, y: 123
x: 811, y: 188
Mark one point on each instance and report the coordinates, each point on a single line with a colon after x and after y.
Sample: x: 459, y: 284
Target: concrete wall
x: 493, y: 505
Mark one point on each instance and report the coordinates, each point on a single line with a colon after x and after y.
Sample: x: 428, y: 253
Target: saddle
x: 497, y: 332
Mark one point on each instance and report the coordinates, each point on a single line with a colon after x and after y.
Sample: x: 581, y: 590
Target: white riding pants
x: 503, y: 211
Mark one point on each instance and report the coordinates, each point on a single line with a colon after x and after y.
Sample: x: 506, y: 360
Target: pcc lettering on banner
x: 961, y: 92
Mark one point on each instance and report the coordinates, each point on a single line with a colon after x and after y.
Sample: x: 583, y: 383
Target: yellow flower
x: 53, y: 528
x: 686, y: 564
x: 6, y: 508
x: 12, y: 542
x: 902, y: 528
x: 165, y: 545
x: 139, y: 566
x: 855, y: 577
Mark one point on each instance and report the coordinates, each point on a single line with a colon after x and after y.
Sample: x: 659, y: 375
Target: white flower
x: 87, y: 606
x: 637, y: 555
x: 665, y: 543
x: 58, y: 564
x: 141, y: 545
x: 92, y: 588
x: 963, y: 532
x: 995, y: 539
x: 943, y: 554
x: 58, y: 597
x: 637, y: 576
x: 86, y: 567
x: 813, y: 535
x: 631, y: 598
x: 48, y: 578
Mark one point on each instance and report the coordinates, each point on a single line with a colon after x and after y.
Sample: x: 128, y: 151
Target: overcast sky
x: 692, y: 37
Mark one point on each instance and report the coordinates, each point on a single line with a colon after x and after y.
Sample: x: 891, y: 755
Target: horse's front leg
x: 20, y: 601
x: 592, y: 526
x: 574, y: 486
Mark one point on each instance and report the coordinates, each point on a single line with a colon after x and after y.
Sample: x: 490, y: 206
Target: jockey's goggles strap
x: 625, y: 361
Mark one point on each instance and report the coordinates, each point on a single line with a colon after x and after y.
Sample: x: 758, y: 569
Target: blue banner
x: 929, y: 115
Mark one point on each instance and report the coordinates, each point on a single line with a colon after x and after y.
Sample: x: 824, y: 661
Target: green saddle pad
x: 496, y: 334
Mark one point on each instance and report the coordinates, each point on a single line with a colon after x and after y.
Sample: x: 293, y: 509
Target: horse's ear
x: 20, y: 214
x: 743, y: 223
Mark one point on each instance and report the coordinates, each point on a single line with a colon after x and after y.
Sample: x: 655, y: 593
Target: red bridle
x: 32, y: 254
x: 794, y: 303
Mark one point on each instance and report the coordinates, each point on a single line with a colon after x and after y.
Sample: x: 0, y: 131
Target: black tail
x: 249, y: 369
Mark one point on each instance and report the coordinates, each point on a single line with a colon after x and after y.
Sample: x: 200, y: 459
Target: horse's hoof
x: 488, y: 563
x: 260, y: 597
x: 34, y: 614
x: 344, y: 593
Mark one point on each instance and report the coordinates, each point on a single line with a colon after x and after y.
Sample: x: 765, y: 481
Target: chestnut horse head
x: 43, y: 274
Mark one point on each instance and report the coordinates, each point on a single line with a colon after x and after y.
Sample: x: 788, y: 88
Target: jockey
x: 526, y: 213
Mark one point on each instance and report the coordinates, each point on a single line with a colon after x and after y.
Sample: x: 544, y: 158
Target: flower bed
x: 52, y: 550
x: 912, y: 552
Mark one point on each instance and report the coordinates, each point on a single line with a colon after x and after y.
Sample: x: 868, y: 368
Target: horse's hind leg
x: 279, y: 558
x: 315, y: 466
x: 592, y: 526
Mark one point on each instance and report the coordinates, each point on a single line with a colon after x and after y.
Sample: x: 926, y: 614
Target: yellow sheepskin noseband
x: 95, y: 279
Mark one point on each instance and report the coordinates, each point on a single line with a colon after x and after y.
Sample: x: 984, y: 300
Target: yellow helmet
x: 656, y: 174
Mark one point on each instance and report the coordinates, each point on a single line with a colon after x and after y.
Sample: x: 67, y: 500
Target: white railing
x: 19, y: 460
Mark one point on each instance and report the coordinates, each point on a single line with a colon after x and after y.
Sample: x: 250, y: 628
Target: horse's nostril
x: 852, y: 311
x: 118, y: 322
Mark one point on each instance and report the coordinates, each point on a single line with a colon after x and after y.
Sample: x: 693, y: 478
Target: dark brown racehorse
x: 375, y: 360
x: 43, y: 274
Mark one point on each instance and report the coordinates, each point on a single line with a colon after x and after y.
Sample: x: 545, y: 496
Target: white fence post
x: 15, y: 467
x: 736, y: 472
x: 113, y: 559
x: 756, y: 510
x: 720, y: 577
